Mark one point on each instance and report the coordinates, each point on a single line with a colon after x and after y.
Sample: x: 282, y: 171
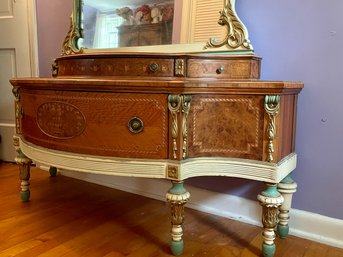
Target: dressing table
x: 164, y: 114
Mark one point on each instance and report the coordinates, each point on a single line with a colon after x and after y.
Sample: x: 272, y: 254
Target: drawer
x: 223, y: 69
x: 156, y: 67
x: 105, y: 124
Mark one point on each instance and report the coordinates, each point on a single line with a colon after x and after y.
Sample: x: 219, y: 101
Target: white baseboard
x: 303, y: 224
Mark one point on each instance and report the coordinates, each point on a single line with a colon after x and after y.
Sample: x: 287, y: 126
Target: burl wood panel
x: 226, y: 126
x: 96, y: 123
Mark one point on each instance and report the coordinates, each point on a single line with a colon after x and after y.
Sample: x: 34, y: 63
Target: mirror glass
x: 113, y: 23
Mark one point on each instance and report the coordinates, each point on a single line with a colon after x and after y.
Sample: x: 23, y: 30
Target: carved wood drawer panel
x: 155, y: 67
x: 109, y: 124
x: 223, y: 69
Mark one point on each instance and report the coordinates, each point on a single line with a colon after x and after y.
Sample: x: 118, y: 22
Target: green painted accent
x: 176, y: 247
x: 282, y: 231
x: 53, y: 171
x: 268, y: 250
x: 177, y: 189
x: 287, y: 180
x: 25, y: 196
x: 271, y: 191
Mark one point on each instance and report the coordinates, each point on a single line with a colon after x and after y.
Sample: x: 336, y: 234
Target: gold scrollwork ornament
x: 237, y: 37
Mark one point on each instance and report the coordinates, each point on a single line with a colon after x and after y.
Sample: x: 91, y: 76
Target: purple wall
x: 52, y: 26
x: 298, y: 40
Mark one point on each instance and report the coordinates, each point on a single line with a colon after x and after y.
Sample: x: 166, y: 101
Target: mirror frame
x: 236, y: 40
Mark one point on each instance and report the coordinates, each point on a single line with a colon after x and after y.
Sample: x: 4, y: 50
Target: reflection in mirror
x: 112, y: 24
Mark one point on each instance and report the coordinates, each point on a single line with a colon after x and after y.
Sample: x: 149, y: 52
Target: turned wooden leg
x: 270, y: 200
x: 287, y: 187
x: 53, y: 171
x: 24, y: 175
x: 177, y: 197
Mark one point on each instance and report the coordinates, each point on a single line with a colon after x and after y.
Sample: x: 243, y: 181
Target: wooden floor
x: 67, y: 217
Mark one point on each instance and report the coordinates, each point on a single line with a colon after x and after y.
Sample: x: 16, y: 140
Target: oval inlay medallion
x: 60, y: 120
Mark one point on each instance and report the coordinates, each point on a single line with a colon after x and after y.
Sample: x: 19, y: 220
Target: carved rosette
x: 272, y: 106
x: 237, y: 37
x: 179, y: 104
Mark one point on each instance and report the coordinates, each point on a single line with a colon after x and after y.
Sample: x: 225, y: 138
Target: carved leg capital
x: 270, y: 200
x: 287, y: 187
x: 177, y: 197
x: 24, y: 175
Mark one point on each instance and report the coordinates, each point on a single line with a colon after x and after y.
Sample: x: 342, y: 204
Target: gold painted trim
x: 70, y: 44
x: 173, y: 172
x: 174, y: 104
x: 179, y: 67
x: 272, y: 106
x: 186, y: 105
x: 54, y: 68
x: 237, y: 37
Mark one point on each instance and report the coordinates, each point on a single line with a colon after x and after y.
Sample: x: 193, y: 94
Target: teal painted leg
x: 287, y: 187
x: 177, y: 197
x: 270, y: 200
x: 53, y: 171
x: 24, y: 174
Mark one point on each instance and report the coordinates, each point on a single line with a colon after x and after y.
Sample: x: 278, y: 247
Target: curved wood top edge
x: 135, y: 55
x: 153, y: 85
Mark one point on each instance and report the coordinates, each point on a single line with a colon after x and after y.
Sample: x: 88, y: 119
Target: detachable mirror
x: 156, y: 26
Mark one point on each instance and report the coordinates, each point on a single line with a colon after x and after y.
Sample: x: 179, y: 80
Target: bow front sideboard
x: 171, y: 116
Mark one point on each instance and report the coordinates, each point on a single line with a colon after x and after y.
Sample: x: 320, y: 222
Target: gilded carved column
x: 23, y: 161
x: 270, y: 200
x: 177, y: 197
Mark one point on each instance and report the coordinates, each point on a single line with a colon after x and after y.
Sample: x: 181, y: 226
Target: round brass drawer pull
x: 135, y: 125
x: 153, y: 67
x: 220, y: 70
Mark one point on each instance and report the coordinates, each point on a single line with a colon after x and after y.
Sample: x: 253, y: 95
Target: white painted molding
x: 303, y: 224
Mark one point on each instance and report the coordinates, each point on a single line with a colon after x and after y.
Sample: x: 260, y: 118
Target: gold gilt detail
x: 179, y: 67
x: 179, y: 104
x: 173, y: 172
x: 272, y: 106
x: 70, y: 44
x: 237, y: 34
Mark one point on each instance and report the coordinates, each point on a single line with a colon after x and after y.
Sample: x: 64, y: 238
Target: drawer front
x: 228, y: 69
x: 117, y: 67
x: 106, y: 124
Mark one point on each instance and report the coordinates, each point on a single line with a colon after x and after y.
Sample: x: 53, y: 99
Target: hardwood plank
x: 68, y: 217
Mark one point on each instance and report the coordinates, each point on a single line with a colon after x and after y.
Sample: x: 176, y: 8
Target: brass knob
x: 153, y: 67
x: 135, y: 125
x: 220, y: 70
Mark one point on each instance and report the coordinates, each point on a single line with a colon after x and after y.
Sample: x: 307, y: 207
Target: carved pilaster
x: 177, y: 197
x: 179, y: 104
x: 272, y: 106
x: 237, y: 37
x: 186, y: 105
x: 54, y: 68
x: 174, y: 104
x: 270, y: 200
